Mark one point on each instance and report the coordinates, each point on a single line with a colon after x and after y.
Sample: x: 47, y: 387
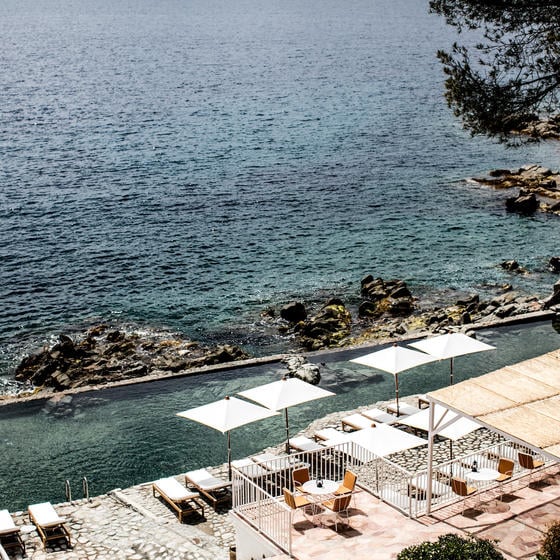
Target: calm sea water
x: 185, y: 163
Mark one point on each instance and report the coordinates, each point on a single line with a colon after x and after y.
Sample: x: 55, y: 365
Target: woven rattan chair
x: 505, y: 468
x: 297, y: 503
x: 529, y: 462
x: 339, y: 506
x: 459, y: 487
x: 300, y: 477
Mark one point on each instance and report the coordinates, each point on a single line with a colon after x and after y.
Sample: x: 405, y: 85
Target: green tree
x: 452, y: 547
x: 509, y: 77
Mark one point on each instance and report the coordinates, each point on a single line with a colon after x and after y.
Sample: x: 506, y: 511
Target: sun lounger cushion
x: 330, y: 434
x: 248, y: 467
x: 174, y: 490
x: 7, y: 524
x: 45, y: 515
x: 302, y: 443
x: 357, y: 421
x: 204, y: 479
x: 404, y: 409
x: 271, y: 462
x: 377, y: 415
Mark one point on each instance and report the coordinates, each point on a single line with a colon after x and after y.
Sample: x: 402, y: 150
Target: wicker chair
x: 459, y: 487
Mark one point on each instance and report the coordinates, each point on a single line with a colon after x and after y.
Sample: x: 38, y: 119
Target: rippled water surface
x: 185, y: 163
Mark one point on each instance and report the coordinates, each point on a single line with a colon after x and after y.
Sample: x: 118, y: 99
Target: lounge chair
x: 357, y: 422
x: 49, y: 525
x: 249, y: 468
x: 404, y: 409
x: 330, y: 434
x: 216, y: 490
x: 10, y: 535
x: 181, y: 499
x: 302, y: 443
x: 377, y: 415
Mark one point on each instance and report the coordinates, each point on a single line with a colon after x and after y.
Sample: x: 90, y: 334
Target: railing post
x: 68, y: 490
x: 85, y: 488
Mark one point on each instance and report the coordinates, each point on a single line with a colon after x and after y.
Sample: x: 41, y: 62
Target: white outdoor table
x: 329, y: 487
x: 482, y: 476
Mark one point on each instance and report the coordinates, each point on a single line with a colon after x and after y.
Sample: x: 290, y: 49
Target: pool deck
x: 131, y: 524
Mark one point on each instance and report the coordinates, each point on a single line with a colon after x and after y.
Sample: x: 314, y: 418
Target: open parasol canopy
x: 282, y: 394
x: 450, y: 345
x: 225, y: 415
x: 394, y: 360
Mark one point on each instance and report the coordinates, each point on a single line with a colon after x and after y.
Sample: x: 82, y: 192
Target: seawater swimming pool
x: 123, y: 436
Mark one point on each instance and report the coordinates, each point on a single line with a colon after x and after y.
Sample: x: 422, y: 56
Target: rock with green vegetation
x: 452, y: 547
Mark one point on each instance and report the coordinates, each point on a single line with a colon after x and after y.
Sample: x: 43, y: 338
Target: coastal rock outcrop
x: 539, y: 188
x: 104, y: 354
x: 554, y: 264
x: 299, y: 367
x: 390, y: 297
x: 328, y: 327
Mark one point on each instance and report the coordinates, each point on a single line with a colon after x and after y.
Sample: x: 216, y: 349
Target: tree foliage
x: 550, y: 549
x: 510, y: 77
x: 452, y: 547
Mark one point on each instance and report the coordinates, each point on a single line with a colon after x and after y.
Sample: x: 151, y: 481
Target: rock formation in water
x: 539, y: 188
x: 105, y: 355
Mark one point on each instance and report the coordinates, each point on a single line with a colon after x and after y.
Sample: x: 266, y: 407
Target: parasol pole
x: 287, y: 431
x: 229, y: 453
x: 397, y: 392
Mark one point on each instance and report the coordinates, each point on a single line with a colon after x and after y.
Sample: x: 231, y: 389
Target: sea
x: 182, y: 165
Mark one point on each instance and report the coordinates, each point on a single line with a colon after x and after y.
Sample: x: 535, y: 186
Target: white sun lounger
x: 377, y: 415
x: 10, y: 535
x: 213, y: 488
x: 330, y: 434
x: 49, y: 525
x: 404, y: 409
x: 181, y: 499
x: 302, y: 443
x: 357, y: 422
x: 249, y: 468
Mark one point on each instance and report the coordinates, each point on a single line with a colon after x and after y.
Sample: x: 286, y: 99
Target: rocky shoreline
x: 539, y: 188
x: 387, y: 310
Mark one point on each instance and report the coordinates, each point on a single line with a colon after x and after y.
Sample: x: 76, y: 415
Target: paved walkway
x: 379, y: 532
x: 131, y: 525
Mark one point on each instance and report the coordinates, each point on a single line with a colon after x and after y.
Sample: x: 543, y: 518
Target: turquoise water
x: 183, y: 164
x: 119, y: 437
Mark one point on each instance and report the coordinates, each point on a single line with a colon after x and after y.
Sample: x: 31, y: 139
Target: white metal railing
x: 442, y: 493
x: 258, y: 487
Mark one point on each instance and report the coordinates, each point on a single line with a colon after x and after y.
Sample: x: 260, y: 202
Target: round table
x: 329, y: 487
x: 483, y: 475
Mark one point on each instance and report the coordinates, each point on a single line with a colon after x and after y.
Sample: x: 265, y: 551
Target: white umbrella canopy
x: 460, y: 427
x: 382, y: 440
x: 450, y: 345
x: 225, y: 415
x: 394, y: 360
x: 280, y: 395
